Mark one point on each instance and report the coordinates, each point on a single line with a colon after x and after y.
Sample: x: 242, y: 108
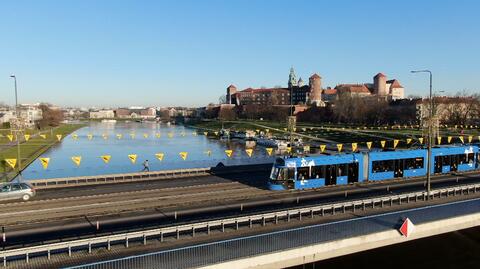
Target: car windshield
x: 5, y: 188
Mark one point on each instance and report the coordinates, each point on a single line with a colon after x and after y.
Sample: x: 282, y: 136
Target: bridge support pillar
x: 48, y: 254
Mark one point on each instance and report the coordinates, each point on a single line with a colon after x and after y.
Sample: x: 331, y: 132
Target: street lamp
x: 429, y: 145
x: 16, y: 131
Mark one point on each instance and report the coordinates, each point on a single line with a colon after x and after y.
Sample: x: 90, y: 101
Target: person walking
x: 146, y: 168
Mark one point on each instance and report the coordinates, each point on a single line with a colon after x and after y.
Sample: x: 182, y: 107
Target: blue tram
x: 323, y: 170
x: 316, y: 171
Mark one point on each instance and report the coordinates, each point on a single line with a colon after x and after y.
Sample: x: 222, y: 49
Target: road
x: 66, y: 212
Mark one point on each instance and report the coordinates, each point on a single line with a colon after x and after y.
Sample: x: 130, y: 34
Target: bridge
x: 222, y: 217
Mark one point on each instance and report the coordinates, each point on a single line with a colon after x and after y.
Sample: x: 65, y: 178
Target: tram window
x: 462, y: 158
x: 318, y: 172
x: 419, y: 163
x: 409, y: 164
x: 470, y: 158
x: 445, y: 160
x: 303, y: 173
x: 342, y: 170
x: 382, y: 166
x: 286, y: 174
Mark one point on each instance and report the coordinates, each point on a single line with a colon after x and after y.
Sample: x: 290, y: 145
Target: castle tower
x: 315, y: 83
x: 300, y: 82
x: 380, y: 84
x: 292, y: 79
x: 231, y: 90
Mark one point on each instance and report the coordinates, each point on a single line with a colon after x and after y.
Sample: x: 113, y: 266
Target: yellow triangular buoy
x: 11, y: 162
x: 74, y: 136
x: 10, y: 137
x: 27, y: 137
x: 45, y: 162
x: 269, y: 151
x: 132, y: 136
x: 208, y: 152
x: 369, y: 145
x: 420, y: 139
x: 133, y: 158
x: 59, y: 137
x: 145, y: 135
x: 183, y: 155
x: 119, y: 136
x: 354, y: 147
x: 170, y: 135
x: 205, y: 133
x: 395, y: 143
x: 439, y: 140
x: 158, y: 135
x: 160, y: 156
x: 470, y: 139
x: 461, y: 139
x: 249, y: 152
x: 106, y: 158
x: 339, y: 147
x: 89, y: 136
x: 383, y: 143
x: 449, y: 139
x: 322, y: 148
x: 44, y: 136
x: 77, y: 160
x: 409, y: 140
x: 229, y: 152
x: 306, y: 148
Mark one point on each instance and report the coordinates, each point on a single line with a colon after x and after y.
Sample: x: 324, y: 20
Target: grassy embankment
x: 31, y: 149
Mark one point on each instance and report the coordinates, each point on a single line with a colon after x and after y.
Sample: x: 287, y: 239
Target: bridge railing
x: 115, y: 178
x: 221, y: 224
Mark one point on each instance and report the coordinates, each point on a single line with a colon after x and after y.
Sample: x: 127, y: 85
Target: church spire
x: 292, y: 78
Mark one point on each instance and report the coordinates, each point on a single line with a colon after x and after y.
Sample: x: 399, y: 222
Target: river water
x: 202, y: 151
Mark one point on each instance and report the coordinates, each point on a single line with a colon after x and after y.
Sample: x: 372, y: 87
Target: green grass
x: 31, y: 149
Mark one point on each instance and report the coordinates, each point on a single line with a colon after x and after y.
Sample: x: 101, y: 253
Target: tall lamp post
x: 430, y: 120
x: 17, y: 131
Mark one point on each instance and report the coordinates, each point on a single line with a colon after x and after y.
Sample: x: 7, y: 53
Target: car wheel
x: 26, y: 197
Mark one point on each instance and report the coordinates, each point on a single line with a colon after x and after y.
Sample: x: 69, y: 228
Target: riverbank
x: 33, y: 148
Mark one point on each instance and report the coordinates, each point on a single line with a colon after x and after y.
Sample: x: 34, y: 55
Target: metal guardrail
x: 116, y: 178
x: 320, y: 210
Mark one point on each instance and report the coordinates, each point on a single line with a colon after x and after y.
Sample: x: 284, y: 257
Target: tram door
x: 438, y: 164
x: 330, y: 175
x: 352, y: 172
x: 398, y: 168
x: 454, y: 160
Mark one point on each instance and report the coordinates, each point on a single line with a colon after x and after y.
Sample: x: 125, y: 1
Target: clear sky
x: 116, y: 53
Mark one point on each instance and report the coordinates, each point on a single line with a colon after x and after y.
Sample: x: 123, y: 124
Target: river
x: 202, y: 151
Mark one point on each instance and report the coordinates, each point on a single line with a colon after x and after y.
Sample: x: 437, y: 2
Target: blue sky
x: 116, y: 53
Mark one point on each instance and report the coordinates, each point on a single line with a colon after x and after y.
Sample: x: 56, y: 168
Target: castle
x: 313, y: 94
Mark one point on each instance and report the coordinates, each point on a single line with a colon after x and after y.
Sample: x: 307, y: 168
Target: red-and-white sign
x: 407, y: 228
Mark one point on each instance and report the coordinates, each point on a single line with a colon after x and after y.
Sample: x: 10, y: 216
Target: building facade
x: 296, y: 93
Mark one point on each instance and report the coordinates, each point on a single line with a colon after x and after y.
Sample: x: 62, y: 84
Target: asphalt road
x: 72, y: 212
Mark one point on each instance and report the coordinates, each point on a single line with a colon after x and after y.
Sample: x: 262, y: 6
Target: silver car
x: 12, y: 191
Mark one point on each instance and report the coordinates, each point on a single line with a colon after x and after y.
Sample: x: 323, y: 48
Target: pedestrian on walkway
x: 145, y: 166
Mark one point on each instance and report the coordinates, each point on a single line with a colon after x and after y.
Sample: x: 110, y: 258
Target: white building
x: 30, y: 113
x: 6, y: 116
x: 102, y: 114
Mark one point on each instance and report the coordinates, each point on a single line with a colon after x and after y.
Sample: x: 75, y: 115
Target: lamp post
x: 430, y: 120
x: 16, y: 130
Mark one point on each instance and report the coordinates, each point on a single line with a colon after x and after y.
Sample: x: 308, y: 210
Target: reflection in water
x: 149, y: 138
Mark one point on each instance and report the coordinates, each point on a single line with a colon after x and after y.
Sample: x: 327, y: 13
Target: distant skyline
x: 185, y: 53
